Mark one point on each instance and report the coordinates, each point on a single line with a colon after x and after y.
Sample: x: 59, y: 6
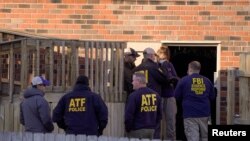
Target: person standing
x: 34, y: 109
x: 143, y: 109
x: 81, y: 111
x: 169, y: 102
x: 195, y: 91
x: 155, y: 77
x: 130, y: 56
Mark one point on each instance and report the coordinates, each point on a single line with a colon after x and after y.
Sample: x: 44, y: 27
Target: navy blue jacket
x: 143, y: 110
x: 195, y: 91
x: 168, y: 89
x: 154, y: 75
x: 81, y: 112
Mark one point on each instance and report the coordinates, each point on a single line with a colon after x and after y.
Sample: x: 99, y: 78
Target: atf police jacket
x: 143, y: 110
x: 81, y: 112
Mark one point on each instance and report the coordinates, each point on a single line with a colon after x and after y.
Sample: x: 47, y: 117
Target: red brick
x: 24, y: 26
x: 224, y: 58
x: 100, y: 6
x: 187, y: 18
x: 236, y: 64
x: 227, y: 64
x: 135, y: 38
x: 174, y: 8
x: 102, y: 32
x: 226, y: 53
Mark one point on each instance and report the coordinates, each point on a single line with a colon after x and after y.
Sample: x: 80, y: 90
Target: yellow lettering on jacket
x: 198, y: 86
x: 148, y: 103
x: 77, y: 105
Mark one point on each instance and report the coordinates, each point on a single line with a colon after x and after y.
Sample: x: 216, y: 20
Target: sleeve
x: 159, y: 75
x: 178, y: 91
x: 173, y: 78
x: 129, y: 113
x: 212, y: 94
x: 102, y: 113
x: 21, y: 115
x: 163, y: 67
x: 44, y: 112
x: 58, y: 114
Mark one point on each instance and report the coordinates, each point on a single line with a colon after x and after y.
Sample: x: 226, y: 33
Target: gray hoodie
x: 35, y: 112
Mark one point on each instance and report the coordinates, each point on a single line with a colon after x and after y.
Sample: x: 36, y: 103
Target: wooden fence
x: 243, y: 75
x: 244, y: 88
x: 9, y: 119
x: 61, y: 61
x: 19, y: 136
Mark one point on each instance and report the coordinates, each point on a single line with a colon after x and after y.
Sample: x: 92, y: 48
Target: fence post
x: 230, y: 95
x: 11, y: 72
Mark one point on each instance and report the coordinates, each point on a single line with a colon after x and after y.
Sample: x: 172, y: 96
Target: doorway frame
x: 216, y: 44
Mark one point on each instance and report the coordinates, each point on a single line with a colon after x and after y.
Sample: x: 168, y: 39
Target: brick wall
x: 227, y: 21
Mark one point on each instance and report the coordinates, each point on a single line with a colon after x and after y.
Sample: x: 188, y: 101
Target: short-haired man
x: 155, y: 77
x: 34, y: 109
x: 195, y: 91
x: 143, y: 109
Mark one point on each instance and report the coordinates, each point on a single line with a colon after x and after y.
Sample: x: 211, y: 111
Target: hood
x: 32, y: 92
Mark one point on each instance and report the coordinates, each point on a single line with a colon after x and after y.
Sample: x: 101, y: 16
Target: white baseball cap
x: 39, y: 80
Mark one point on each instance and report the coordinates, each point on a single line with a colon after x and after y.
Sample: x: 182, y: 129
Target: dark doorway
x: 180, y: 57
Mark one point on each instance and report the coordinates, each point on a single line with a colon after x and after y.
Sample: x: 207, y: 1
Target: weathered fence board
x: 244, y: 83
x: 38, y: 137
x: 244, y: 91
x: 10, y: 120
x: 15, y: 136
x: 6, y: 136
x: 81, y: 138
x: 25, y: 136
x: 16, y: 121
x: 231, y: 75
x: 60, y: 62
x: 1, y: 118
x: 28, y: 136
x: 49, y: 137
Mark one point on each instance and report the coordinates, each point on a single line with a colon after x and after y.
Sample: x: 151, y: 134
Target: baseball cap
x: 130, y: 51
x: 40, y: 80
x: 149, y: 51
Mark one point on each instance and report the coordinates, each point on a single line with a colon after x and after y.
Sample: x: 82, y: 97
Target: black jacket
x: 128, y: 73
x: 154, y: 75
